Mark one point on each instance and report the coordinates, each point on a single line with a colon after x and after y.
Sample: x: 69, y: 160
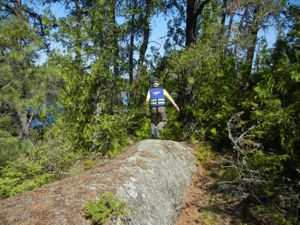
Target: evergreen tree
x: 22, y: 83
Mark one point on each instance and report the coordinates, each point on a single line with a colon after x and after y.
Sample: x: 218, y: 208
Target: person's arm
x: 147, y: 98
x: 171, y: 100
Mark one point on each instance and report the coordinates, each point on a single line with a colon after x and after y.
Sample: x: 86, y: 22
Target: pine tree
x: 22, y: 82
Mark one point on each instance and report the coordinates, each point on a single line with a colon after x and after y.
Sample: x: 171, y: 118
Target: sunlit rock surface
x: 151, y: 176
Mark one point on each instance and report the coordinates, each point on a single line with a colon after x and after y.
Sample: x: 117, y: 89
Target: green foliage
x: 11, y: 147
x: 275, y: 216
x: 205, y: 154
x: 270, y: 165
x: 173, y: 128
x: 23, y: 85
x: 55, y: 152
x: 211, y: 87
x: 108, y: 134
x: 209, y: 80
x: 143, y: 127
x: 107, y: 209
x: 93, y: 114
x: 56, y: 157
x: 47, y: 160
x: 18, y: 177
x: 139, y: 112
x: 89, y: 164
x: 209, y: 217
x: 228, y: 174
x: 277, y: 109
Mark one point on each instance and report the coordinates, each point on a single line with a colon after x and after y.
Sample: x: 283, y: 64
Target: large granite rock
x: 151, y: 176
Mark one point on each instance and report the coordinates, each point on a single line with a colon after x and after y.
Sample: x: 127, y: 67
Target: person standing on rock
x: 156, y: 96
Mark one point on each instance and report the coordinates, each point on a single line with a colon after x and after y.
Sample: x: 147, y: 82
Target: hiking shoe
x: 152, y: 132
x: 156, y: 133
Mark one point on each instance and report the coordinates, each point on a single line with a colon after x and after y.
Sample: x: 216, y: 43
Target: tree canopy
x: 236, y: 92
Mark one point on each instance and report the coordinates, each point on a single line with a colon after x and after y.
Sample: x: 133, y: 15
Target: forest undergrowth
x: 207, y: 203
x: 236, y: 91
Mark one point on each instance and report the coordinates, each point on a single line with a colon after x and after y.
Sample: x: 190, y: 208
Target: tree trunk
x: 131, y: 50
x: 96, y: 135
x: 78, y: 43
x: 18, y: 7
x: 191, y: 23
x: 232, y: 9
x: 193, y: 10
x: 229, y: 28
x: 114, y: 36
x: 131, y: 43
x: 224, y: 13
x: 240, y: 27
x: 222, y: 34
x: 254, y: 26
x: 131, y: 46
x: 24, y: 132
x: 186, y: 94
x: 146, y: 34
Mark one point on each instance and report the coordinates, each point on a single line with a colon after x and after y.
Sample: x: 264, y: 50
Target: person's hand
x: 177, y: 108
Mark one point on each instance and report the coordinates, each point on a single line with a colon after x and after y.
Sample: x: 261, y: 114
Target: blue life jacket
x: 157, y: 97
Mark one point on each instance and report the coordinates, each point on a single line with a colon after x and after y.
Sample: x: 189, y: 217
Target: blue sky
x: 159, y: 29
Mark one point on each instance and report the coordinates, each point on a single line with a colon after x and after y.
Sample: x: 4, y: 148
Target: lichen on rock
x: 151, y: 176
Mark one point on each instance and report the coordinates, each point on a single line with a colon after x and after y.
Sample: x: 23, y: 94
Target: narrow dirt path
x: 195, y: 198
x: 204, y: 205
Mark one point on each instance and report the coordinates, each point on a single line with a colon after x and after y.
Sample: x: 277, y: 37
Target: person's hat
x: 154, y: 80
